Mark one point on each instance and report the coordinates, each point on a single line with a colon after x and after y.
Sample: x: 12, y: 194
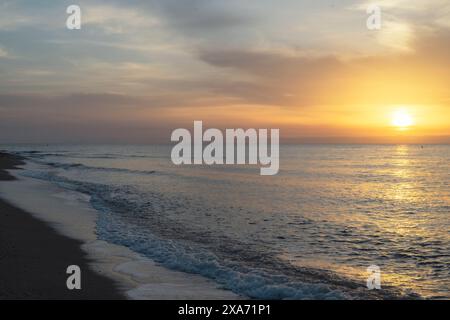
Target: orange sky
x: 313, y: 70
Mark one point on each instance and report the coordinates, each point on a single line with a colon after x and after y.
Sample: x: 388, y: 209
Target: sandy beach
x: 34, y: 257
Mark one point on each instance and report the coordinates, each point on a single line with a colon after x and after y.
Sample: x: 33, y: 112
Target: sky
x: 137, y: 70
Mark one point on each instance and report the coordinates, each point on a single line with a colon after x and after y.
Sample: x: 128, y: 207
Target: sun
x: 402, y: 119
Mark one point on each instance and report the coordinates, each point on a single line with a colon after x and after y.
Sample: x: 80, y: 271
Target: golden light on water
x: 402, y: 119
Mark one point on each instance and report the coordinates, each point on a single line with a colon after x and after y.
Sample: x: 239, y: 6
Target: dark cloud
x: 272, y: 66
x: 75, y: 118
x: 200, y: 15
x: 194, y: 17
x: 302, y: 80
x: 220, y: 90
x: 78, y: 100
x: 280, y: 79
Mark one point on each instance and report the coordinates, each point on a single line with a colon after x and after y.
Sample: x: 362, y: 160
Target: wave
x: 68, y: 154
x: 121, y: 209
x: 79, y: 166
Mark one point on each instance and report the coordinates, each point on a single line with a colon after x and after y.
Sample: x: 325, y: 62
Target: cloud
x: 75, y: 101
x: 11, y: 18
x: 118, y: 20
x: 407, y: 5
x: 201, y: 16
x: 155, y: 57
x: 305, y: 80
x: 3, y: 53
x: 396, y: 35
x: 402, y: 20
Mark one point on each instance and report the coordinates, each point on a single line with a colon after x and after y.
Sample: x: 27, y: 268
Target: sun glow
x: 402, y: 119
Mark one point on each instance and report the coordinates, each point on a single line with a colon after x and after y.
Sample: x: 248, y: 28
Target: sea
x: 310, y: 232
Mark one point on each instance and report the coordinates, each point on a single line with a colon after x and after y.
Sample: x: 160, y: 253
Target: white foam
x: 70, y: 214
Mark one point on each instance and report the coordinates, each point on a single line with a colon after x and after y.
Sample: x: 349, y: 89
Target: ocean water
x: 309, y: 232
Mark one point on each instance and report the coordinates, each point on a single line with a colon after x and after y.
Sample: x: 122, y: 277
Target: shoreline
x: 69, y: 216
x: 34, y: 257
